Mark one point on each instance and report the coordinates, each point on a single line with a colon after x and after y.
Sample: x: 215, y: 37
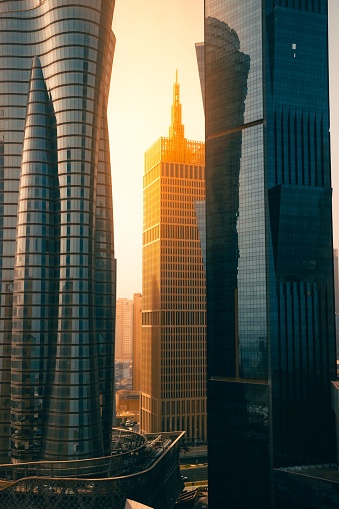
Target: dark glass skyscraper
x: 57, y: 265
x: 270, y: 298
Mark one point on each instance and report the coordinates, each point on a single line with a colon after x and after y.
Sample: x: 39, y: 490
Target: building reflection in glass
x: 270, y: 315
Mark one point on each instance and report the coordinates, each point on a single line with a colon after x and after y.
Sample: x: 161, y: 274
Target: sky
x: 154, y: 39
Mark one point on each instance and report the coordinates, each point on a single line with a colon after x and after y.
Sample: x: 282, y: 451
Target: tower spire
x: 176, y: 129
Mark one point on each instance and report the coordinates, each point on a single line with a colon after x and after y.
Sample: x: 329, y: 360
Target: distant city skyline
x: 148, y: 52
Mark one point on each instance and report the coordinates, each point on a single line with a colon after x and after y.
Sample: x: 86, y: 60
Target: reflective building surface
x: 56, y: 230
x: 270, y: 296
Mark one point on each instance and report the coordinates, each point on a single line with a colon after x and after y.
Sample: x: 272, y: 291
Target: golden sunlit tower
x: 124, y: 330
x: 173, y: 389
x: 137, y: 332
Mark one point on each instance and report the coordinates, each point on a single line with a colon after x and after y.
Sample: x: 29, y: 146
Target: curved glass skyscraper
x: 57, y: 265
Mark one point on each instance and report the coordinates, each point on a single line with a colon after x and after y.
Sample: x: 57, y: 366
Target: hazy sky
x: 154, y: 38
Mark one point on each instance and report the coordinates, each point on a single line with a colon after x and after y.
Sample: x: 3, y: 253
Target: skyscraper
x: 173, y: 386
x: 336, y: 298
x: 137, y: 338
x: 124, y: 330
x: 57, y: 266
x: 270, y: 297
x: 336, y: 280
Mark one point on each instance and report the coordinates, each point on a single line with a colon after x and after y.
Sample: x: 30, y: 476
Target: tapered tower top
x: 175, y: 148
x: 176, y: 129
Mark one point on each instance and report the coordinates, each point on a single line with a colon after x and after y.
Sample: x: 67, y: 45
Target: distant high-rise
x: 124, y: 330
x: 57, y: 265
x: 137, y: 338
x: 173, y: 381
x: 270, y: 297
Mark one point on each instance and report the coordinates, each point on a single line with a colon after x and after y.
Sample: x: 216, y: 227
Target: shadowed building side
x: 270, y: 295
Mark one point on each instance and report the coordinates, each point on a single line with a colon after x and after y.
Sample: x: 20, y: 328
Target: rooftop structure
x: 144, y: 468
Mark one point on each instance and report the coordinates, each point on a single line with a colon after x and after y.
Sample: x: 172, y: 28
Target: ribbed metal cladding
x: 62, y: 366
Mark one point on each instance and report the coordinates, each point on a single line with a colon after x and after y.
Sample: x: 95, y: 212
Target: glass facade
x: 173, y: 385
x: 56, y: 231
x: 270, y: 302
